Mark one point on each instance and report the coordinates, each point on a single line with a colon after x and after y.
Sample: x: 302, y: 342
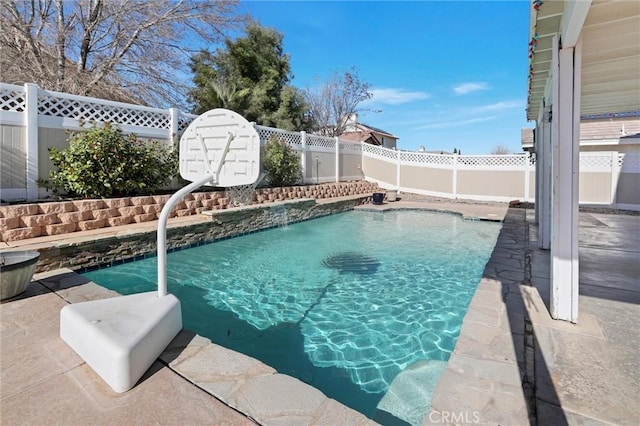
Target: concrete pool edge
x: 483, y: 380
x: 481, y: 212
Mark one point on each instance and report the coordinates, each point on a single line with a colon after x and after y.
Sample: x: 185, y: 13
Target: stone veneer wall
x: 105, y: 250
x: 19, y: 222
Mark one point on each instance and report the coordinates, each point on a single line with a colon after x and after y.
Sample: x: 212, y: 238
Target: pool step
x: 409, y: 396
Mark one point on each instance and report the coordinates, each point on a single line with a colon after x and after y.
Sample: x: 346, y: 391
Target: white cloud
x: 466, y: 88
x: 396, y: 96
x: 498, y: 106
x: 456, y: 123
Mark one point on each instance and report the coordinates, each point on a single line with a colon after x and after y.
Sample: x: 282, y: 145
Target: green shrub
x: 281, y: 163
x: 103, y: 162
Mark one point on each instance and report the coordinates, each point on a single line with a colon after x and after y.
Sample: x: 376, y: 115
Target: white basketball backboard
x: 222, y: 143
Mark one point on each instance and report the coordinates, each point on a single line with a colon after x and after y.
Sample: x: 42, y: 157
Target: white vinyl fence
x: 32, y: 120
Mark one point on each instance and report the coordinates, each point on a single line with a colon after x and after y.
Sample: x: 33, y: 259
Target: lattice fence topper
x: 184, y: 120
x: 491, y: 161
x: 293, y: 139
x: 58, y: 105
x: 426, y: 159
x: 321, y: 143
x: 351, y: 147
x: 595, y: 163
x: 377, y: 151
x: 12, y: 98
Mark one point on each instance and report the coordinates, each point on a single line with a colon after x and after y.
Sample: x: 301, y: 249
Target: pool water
x: 344, y: 302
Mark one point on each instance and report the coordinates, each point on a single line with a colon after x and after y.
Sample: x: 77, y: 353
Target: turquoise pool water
x: 344, y: 302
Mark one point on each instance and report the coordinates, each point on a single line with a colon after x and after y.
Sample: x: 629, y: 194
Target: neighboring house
x: 621, y: 134
x: 360, y: 132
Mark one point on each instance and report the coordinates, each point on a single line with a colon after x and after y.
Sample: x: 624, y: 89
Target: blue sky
x: 445, y: 74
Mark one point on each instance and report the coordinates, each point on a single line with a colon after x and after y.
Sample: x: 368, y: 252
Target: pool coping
x: 494, y: 212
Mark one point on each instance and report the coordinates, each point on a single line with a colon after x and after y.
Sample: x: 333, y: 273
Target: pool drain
x: 350, y: 262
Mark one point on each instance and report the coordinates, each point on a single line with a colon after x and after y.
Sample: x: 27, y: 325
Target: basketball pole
x: 162, y: 230
x: 166, y: 210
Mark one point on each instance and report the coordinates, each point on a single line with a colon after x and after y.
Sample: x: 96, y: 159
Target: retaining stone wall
x: 105, y: 250
x: 19, y: 222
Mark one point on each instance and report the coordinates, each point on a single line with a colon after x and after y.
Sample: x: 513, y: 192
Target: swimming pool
x: 344, y: 302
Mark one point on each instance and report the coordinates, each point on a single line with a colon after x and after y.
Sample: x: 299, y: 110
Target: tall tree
x: 250, y: 75
x: 108, y: 48
x: 332, y: 103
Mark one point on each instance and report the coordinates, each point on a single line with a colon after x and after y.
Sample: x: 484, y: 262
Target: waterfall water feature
x: 280, y: 215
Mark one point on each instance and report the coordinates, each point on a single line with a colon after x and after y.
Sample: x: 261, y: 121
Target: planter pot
x: 16, y: 268
x: 378, y: 197
x: 392, y: 194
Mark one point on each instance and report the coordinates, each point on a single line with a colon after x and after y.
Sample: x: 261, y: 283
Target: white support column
x: 565, y: 165
x: 303, y: 155
x: 337, y: 159
x: 538, y: 174
x: 544, y: 198
x: 31, y: 148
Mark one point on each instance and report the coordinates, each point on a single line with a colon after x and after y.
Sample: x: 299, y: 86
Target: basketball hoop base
x: 120, y: 337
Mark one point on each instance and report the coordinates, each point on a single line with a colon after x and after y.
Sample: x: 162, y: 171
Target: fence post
x: 615, y: 175
x: 174, y: 126
x: 527, y: 173
x: 337, y: 159
x: 303, y: 156
x: 454, y: 188
x: 31, y: 151
x: 397, y: 169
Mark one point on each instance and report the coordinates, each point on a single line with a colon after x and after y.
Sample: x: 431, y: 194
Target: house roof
x: 368, y: 137
x: 610, y: 52
x: 609, y: 129
x: 377, y: 130
x: 599, y: 129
